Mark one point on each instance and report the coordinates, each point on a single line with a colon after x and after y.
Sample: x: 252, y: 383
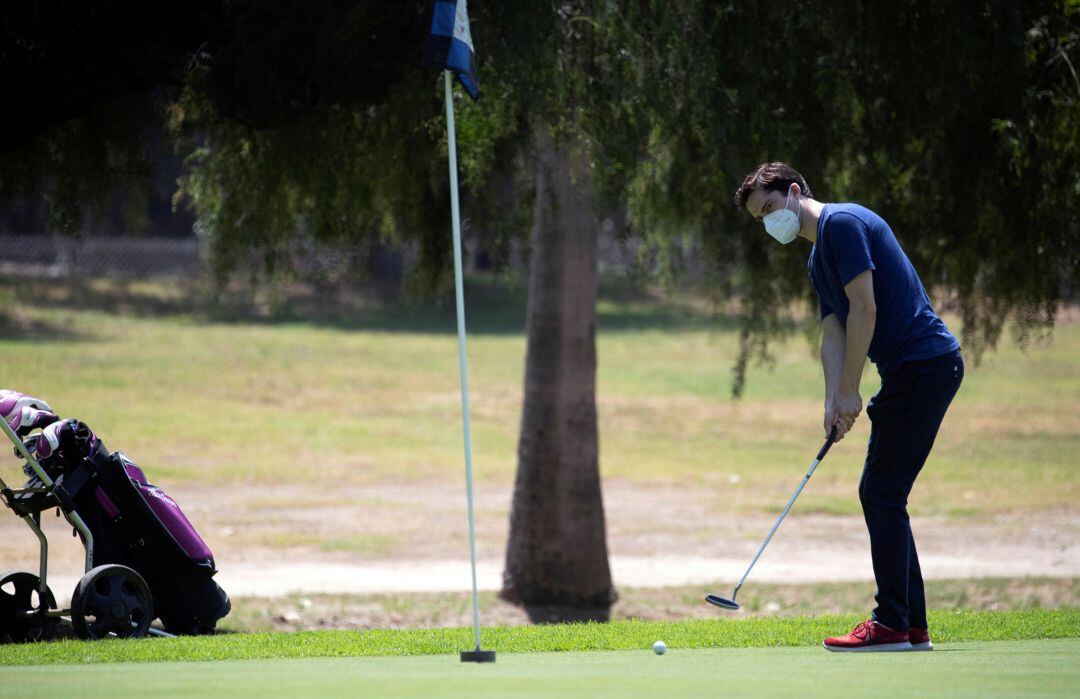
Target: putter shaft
x: 821, y: 455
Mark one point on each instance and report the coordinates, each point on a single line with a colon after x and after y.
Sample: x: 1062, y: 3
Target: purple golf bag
x: 134, y: 524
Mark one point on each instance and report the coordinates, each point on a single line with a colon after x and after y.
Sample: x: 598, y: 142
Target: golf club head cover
x: 30, y: 419
x: 14, y: 408
x: 64, y: 444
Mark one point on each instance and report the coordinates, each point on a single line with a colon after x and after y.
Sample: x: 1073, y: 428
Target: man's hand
x: 830, y: 416
x: 846, y: 406
x: 834, y: 419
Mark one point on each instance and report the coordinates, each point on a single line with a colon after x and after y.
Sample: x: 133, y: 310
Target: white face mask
x: 783, y: 224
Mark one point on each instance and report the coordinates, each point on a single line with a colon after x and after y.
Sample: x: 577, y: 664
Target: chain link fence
x: 67, y: 257
x: 61, y: 256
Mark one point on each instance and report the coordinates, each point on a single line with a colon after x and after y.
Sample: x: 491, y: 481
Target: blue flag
x: 449, y: 45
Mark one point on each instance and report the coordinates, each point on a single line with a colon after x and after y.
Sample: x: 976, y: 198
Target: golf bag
x: 135, y: 524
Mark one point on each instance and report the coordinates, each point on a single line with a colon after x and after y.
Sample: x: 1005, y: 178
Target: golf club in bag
x: 726, y: 603
x: 144, y: 559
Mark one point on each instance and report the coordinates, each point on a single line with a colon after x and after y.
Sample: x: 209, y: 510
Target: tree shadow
x: 16, y: 328
x: 494, y: 306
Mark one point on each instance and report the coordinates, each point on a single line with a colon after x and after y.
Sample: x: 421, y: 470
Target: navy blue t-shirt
x: 852, y: 239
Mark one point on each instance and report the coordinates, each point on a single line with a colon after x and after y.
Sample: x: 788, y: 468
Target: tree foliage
x: 961, y: 127
x: 86, y: 87
x: 959, y: 124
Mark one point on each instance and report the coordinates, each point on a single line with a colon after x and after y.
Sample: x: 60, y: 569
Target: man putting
x: 872, y: 303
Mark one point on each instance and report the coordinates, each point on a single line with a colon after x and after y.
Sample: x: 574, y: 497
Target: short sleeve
x: 826, y: 311
x: 849, y: 241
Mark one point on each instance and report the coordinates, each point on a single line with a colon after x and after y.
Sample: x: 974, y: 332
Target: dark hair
x: 770, y: 177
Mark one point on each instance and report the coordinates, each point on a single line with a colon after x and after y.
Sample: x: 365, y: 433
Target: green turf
x: 986, y: 670
x: 622, y: 635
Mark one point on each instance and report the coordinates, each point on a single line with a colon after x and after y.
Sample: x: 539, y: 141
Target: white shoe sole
x: 925, y: 645
x: 879, y: 648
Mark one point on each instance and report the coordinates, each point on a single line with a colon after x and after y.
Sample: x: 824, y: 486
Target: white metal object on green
x: 477, y: 654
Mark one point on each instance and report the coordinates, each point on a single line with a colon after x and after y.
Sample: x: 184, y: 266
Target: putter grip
x: 828, y: 443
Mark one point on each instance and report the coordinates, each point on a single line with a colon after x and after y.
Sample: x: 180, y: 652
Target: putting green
x: 1045, y: 668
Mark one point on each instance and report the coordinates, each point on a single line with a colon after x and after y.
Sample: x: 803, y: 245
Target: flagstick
x: 476, y: 655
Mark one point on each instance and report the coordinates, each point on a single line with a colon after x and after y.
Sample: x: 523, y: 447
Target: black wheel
x: 111, y: 599
x: 20, y: 595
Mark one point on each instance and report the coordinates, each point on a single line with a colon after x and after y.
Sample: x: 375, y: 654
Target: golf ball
x: 659, y: 648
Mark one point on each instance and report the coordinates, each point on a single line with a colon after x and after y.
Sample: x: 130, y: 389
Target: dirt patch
x: 412, y: 537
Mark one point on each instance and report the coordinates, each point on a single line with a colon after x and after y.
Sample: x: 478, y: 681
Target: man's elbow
x: 864, y: 309
x: 831, y: 330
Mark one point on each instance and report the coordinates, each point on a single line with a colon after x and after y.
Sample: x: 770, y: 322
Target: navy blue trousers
x: 905, y: 416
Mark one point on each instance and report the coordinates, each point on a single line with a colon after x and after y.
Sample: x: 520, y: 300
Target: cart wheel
x: 19, y: 595
x: 111, y: 599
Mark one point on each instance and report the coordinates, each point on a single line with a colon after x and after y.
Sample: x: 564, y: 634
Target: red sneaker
x: 869, y: 636
x: 920, y: 639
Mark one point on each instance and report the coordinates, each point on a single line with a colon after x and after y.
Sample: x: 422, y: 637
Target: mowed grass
x: 369, y: 392
x: 1001, y: 669
x: 750, y: 658
x: 983, y: 670
x: 946, y: 627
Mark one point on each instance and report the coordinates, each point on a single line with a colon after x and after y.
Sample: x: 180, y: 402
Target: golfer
x: 872, y: 304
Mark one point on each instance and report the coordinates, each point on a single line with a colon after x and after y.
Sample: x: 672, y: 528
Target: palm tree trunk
x: 556, y: 557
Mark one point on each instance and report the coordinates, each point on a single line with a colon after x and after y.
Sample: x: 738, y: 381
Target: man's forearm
x: 832, y: 357
x: 859, y: 332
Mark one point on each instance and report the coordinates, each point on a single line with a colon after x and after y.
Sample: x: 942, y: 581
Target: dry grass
x: 336, y: 433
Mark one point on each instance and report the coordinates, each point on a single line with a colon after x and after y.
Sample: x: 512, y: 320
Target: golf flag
x: 449, y: 48
x: 449, y: 45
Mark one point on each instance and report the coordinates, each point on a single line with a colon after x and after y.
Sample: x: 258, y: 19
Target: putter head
x: 722, y: 602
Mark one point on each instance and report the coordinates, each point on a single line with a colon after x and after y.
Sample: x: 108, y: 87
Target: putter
x: 726, y: 603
